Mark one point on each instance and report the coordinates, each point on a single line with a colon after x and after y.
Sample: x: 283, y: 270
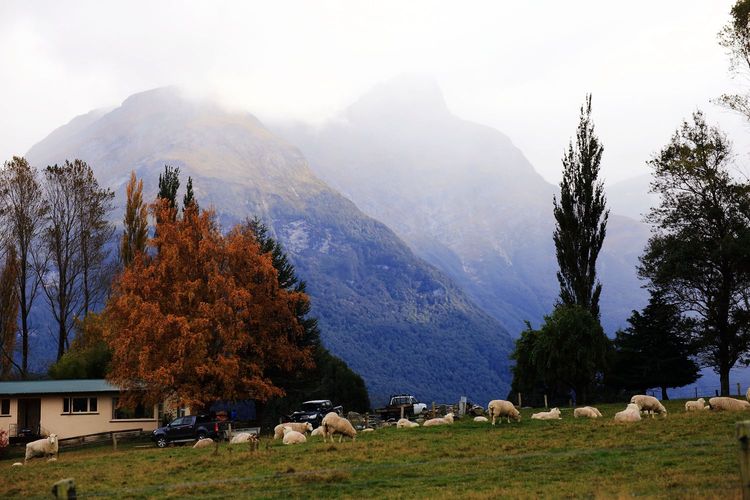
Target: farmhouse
x: 68, y: 408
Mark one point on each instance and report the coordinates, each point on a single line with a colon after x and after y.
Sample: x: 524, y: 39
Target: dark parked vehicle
x: 190, y: 428
x: 401, y: 404
x: 314, y: 411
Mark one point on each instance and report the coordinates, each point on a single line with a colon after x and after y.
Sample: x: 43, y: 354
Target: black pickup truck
x: 314, y: 411
x: 190, y: 428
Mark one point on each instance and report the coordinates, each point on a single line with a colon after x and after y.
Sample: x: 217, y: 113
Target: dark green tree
x: 169, y: 183
x: 189, y: 198
x: 654, y: 350
x: 331, y: 378
x: 581, y: 218
x: 88, y: 356
x: 699, y: 252
x: 568, y: 352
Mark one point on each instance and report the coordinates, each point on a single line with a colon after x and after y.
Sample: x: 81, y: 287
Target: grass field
x: 682, y: 456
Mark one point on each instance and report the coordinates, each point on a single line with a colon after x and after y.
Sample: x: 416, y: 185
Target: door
x: 29, y: 415
x: 181, y: 428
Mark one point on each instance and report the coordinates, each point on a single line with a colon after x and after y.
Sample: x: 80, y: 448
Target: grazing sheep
x: 293, y: 437
x: 446, y: 420
x: 204, y: 443
x: 405, y: 423
x: 318, y: 431
x: 630, y: 414
x: 586, y: 412
x: 649, y: 404
x: 499, y: 408
x: 334, y: 424
x: 481, y: 419
x: 700, y: 404
x: 553, y: 414
x: 301, y: 427
x: 728, y: 404
x: 41, y: 447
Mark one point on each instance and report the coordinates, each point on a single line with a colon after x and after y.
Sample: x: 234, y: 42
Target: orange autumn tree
x: 201, y: 316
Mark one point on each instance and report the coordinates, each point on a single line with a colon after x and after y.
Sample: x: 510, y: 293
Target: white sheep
x: 649, y: 404
x: 334, y: 424
x: 301, y: 427
x: 405, y: 423
x: 369, y: 429
x: 553, y: 414
x: 17, y: 464
x: 481, y: 419
x: 293, y: 437
x: 446, y: 420
x: 697, y: 405
x: 586, y: 412
x: 243, y: 437
x: 728, y: 404
x: 42, y: 447
x: 318, y: 431
x: 630, y: 414
x: 499, y: 408
x: 203, y: 443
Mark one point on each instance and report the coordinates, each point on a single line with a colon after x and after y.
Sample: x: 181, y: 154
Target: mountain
x: 464, y: 198
x: 399, y: 322
x: 631, y: 197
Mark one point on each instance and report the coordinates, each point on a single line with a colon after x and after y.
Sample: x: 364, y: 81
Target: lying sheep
x: 334, y: 424
x: 649, y: 404
x: 243, y: 437
x: 499, y: 408
x: 405, y: 423
x: 481, y: 419
x: 17, y: 464
x: 630, y: 414
x: 369, y: 429
x: 728, y: 404
x: 301, y: 427
x: 204, y: 443
x: 586, y: 412
x: 318, y: 431
x: 698, y: 405
x: 42, y: 447
x: 293, y: 437
x: 446, y: 420
x: 553, y: 414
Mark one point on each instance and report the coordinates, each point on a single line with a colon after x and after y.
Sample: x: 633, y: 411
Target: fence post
x: 519, y: 399
x: 367, y: 420
x: 402, y: 411
x: 114, y: 442
x: 545, y: 401
x: 743, y: 436
x: 739, y: 392
x: 717, y: 392
x: 696, y: 392
x: 433, y: 409
x: 65, y: 488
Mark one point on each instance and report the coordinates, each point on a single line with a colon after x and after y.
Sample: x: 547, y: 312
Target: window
x: 140, y: 411
x: 4, y: 406
x: 80, y: 405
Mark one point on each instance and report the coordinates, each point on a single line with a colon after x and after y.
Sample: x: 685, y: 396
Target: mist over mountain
x: 398, y: 321
x: 631, y: 197
x: 464, y: 198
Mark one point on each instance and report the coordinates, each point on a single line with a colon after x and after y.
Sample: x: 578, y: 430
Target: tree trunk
x: 664, y: 396
x: 724, y: 379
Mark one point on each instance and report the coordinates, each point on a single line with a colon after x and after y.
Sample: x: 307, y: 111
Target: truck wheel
x: 201, y: 435
x: 161, y: 442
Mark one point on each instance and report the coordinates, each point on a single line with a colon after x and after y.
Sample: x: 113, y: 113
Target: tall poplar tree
x: 581, y: 218
x: 135, y: 222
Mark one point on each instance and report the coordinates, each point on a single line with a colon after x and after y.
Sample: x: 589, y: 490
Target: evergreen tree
x: 189, y: 198
x: 581, y: 218
x: 653, y: 351
x: 169, y: 183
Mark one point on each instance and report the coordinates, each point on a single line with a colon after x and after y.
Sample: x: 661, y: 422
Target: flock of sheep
x: 334, y: 424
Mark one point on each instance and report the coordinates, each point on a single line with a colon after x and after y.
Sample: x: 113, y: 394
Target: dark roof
x: 55, y: 387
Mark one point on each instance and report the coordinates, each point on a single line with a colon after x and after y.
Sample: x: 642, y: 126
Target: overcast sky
x: 521, y: 67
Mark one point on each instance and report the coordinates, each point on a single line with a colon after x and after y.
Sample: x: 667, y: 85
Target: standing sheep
x: 334, y: 424
x: 586, y: 412
x: 500, y: 408
x: 649, y: 404
x: 301, y: 427
x: 630, y: 414
x: 405, y: 423
x: 700, y: 404
x: 293, y: 437
x: 42, y: 447
x: 728, y: 404
x: 446, y: 420
x: 553, y: 414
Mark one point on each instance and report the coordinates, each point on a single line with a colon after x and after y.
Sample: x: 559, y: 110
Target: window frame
x: 70, y: 404
x: 2, y: 405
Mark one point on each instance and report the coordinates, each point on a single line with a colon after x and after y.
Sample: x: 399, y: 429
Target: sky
x: 521, y: 67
